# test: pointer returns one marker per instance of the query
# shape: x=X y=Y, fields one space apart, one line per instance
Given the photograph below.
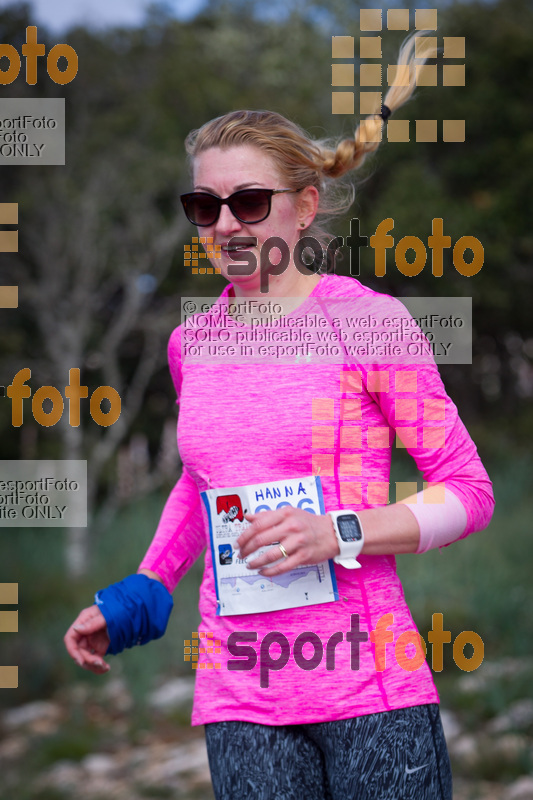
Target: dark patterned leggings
x=393 y=755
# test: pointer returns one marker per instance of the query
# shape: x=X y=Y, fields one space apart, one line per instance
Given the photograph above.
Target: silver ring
x=283 y=551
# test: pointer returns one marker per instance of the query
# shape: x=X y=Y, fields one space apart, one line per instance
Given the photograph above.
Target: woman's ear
x=307 y=206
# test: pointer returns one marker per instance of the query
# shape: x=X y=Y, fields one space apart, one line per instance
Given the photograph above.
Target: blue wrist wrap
x=136 y=610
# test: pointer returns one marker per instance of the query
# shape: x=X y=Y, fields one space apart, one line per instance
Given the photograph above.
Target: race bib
x=241 y=590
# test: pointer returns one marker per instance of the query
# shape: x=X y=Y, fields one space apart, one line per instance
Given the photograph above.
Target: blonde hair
x=302 y=161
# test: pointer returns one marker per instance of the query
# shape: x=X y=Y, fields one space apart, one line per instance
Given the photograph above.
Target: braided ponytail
x=350 y=153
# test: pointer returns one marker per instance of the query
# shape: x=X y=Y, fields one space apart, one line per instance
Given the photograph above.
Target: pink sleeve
x=430 y=429
x=180 y=536
x=440 y=523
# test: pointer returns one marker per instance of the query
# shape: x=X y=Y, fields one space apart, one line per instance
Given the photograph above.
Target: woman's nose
x=227 y=222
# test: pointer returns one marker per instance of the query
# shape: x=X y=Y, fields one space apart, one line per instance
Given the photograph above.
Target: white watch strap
x=348 y=550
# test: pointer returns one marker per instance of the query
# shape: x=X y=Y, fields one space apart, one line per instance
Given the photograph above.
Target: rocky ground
x=87 y=743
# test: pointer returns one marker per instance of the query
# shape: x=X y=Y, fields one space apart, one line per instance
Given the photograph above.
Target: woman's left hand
x=307 y=539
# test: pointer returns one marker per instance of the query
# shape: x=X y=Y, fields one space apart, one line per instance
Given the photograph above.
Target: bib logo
x=32 y=50
x=231 y=505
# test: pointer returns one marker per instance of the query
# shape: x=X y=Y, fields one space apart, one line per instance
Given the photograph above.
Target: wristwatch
x=349 y=533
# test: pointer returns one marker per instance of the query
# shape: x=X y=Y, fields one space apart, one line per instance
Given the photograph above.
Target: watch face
x=349 y=528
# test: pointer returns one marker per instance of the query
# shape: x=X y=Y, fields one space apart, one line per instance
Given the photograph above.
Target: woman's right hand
x=87 y=640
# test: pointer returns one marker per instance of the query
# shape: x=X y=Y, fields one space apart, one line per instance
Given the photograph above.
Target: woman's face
x=223 y=172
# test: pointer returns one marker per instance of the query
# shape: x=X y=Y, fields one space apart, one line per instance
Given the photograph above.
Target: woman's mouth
x=239 y=243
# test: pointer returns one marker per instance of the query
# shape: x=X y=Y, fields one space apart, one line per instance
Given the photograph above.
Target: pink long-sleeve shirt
x=241 y=424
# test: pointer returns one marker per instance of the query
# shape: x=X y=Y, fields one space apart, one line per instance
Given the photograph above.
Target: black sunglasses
x=247 y=205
